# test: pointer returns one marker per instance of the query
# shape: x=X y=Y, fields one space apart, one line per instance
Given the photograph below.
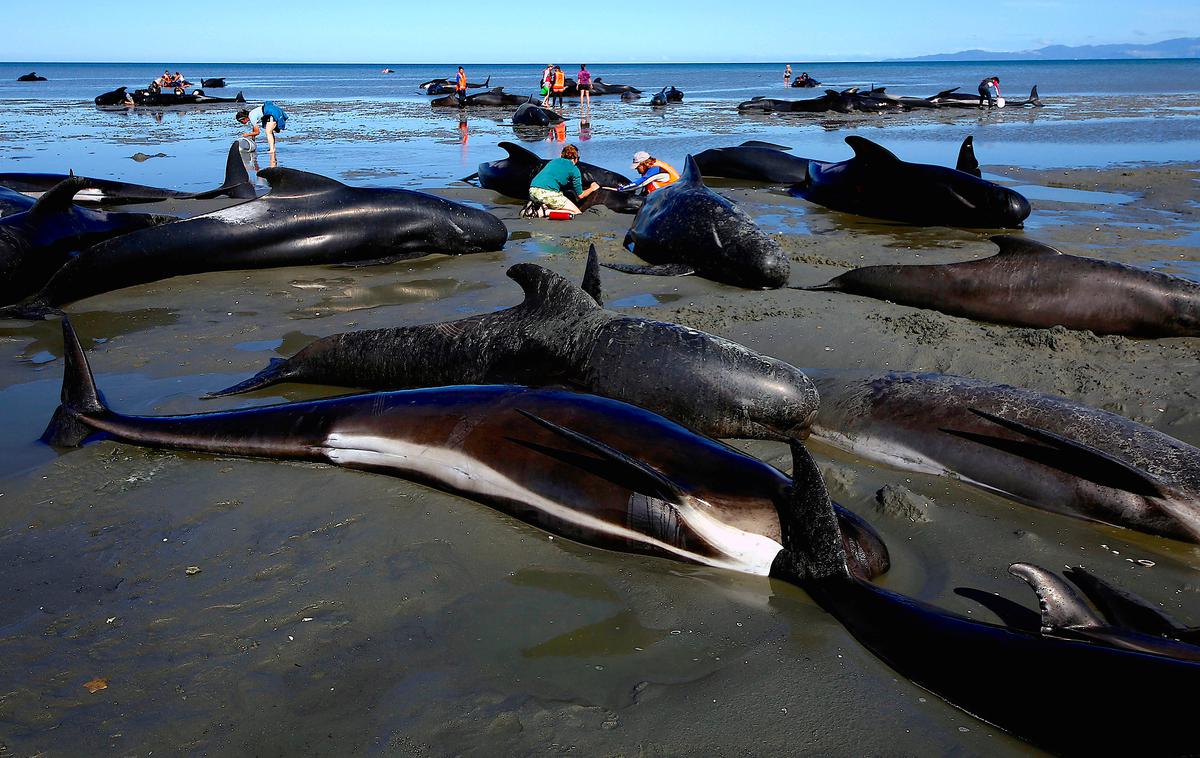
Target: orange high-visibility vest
x=672 y=174
x=460 y=82
x=560 y=81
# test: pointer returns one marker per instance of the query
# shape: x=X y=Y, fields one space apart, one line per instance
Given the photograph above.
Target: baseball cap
x=639 y=158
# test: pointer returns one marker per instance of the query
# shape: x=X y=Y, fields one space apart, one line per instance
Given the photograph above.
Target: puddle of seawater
x=645 y=300
x=791 y=223
x=1067 y=195
x=42 y=356
x=1190 y=239
x=255 y=346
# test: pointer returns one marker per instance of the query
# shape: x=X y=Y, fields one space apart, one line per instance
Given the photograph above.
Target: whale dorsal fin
x=1061 y=606
x=757 y=143
x=59 y=197
x=1121 y=608
x=691 y=172
x=1010 y=245
x=808 y=525
x=966 y=158
x=497 y=90
x=236 y=178
x=591 y=276
x=544 y=288
x=835 y=93
x=515 y=151
x=868 y=151
x=290 y=182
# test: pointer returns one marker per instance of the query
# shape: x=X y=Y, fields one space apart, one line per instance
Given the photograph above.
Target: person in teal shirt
x=550 y=185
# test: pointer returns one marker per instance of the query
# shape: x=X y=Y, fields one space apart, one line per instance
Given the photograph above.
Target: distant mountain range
x=1183 y=47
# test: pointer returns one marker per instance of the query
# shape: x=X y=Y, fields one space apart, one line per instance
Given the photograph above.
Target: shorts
x=549 y=198
x=585 y=88
x=545 y=91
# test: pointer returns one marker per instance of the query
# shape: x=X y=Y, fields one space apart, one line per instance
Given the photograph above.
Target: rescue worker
x=460 y=86
x=548 y=189
x=269 y=116
x=558 y=86
x=656 y=174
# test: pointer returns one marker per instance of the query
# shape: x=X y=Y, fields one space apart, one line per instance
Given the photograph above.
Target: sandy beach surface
x=340 y=611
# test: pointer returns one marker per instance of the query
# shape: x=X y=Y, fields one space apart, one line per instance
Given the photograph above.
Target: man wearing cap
x=656 y=174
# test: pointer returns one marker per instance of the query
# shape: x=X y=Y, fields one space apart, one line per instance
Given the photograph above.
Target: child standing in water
x=787 y=75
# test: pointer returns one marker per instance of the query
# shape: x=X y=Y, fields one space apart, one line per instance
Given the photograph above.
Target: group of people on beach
x=554 y=85
x=169 y=82
x=547 y=190
x=804 y=78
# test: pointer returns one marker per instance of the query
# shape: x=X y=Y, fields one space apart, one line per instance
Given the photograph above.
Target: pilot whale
x=598 y=471
x=305 y=219
x=559 y=336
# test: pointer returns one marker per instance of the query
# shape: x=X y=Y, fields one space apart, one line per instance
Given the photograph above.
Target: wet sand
x=338 y=611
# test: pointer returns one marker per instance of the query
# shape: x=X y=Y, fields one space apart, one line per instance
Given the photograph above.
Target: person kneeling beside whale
x=548 y=188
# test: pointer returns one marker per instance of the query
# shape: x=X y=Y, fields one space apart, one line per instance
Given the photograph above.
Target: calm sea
x=354 y=122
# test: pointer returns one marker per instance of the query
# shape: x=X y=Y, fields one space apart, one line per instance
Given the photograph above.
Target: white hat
x=639 y=158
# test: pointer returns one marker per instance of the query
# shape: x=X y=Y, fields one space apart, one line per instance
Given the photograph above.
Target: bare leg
x=270 y=130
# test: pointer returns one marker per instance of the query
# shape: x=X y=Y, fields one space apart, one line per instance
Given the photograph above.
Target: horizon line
x=914 y=59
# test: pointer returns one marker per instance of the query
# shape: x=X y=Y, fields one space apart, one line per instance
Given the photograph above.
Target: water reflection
x=46 y=336
x=346 y=295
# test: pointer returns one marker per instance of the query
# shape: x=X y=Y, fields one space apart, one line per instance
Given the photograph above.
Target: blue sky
x=604 y=31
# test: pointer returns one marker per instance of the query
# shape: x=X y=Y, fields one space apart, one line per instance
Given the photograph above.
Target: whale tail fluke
x=79 y=396
x=240 y=98
x=276 y=372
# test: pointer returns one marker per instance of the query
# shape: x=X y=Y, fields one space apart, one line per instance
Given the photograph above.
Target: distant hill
x=1183 y=47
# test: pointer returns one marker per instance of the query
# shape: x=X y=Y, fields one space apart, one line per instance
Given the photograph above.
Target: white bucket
x=999 y=102
x=246 y=145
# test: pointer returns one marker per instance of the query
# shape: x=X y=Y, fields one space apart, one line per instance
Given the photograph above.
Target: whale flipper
x=966 y=158
x=665 y=269
x=1075 y=458
x=274 y=373
x=645 y=478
